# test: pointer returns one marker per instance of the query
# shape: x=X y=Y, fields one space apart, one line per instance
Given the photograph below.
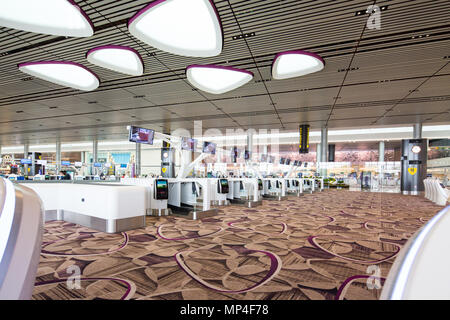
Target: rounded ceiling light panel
x=53 y=17
x=188 y=28
x=217 y=79
x=291 y=64
x=64 y=73
x=117 y=58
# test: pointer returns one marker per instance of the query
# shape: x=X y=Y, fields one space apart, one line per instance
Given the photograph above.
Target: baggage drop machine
x=245 y=191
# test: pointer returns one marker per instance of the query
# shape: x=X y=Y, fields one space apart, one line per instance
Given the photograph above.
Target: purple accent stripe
x=351 y=279
x=124 y=243
x=31 y=63
x=112 y=46
x=128 y=284
x=273 y=267
x=213 y=66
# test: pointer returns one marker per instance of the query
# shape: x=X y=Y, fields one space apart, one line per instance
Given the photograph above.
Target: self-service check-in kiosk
x=160 y=196
x=221 y=190
x=244 y=191
x=294 y=186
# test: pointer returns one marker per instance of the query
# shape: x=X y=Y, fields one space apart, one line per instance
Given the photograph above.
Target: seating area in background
x=435 y=192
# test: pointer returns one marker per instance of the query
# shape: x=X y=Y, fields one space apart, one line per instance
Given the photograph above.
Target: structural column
x=324 y=144
x=58 y=156
x=381 y=151
x=324 y=150
x=138 y=159
x=318 y=153
x=94 y=154
x=26 y=149
x=417 y=131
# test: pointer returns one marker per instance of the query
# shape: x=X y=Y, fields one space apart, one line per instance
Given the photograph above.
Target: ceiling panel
x=377 y=69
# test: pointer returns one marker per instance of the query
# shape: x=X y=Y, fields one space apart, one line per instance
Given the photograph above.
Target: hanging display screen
x=188 y=144
x=209 y=147
x=304 y=138
x=141 y=135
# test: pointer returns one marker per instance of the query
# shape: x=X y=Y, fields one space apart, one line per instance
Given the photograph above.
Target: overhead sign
x=304 y=138
x=26 y=161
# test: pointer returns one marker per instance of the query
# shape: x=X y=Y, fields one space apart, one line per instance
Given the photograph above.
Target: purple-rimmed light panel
x=77 y=77
x=139 y=70
x=175 y=42
x=301 y=63
x=210 y=81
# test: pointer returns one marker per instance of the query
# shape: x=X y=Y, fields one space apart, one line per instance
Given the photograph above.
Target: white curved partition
x=435 y=192
x=105 y=207
x=421 y=271
x=21 y=228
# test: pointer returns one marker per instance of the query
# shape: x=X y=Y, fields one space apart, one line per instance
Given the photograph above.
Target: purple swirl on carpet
x=275 y=266
x=347 y=282
x=53 y=253
x=126 y=296
x=312 y=241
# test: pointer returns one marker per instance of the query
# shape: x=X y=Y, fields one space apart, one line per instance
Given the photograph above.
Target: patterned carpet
x=318 y=246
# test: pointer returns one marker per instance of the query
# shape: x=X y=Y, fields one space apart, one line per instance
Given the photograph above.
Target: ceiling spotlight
x=188 y=28
x=217 y=79
x=64 y=73
x=291 y=64
x=54 y=17
x=117 y=58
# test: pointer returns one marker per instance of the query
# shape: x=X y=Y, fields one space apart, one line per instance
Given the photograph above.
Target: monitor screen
x=224 y=182
x=209 y=147
x=188 y=144
x=26 y=161
x=288 y=161
x=296 y=163
x=161 y=184
x=246 y=155
x=141 y=135
x=282 y=160
x=65 y=163
x=264 y=158
x=235 y=152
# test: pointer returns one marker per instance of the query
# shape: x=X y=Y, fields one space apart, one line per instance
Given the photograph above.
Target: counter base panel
x=103 y=225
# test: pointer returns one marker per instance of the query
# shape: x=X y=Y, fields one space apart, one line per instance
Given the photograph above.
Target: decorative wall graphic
x=412 y=171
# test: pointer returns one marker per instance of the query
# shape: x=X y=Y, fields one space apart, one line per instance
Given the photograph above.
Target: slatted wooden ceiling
x=396 y=75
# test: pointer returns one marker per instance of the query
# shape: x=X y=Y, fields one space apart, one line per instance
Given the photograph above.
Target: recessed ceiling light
x=292 y=64
x=64 y=73
x=188 y=28
x=54 y=17
x=217 y=79
x=117 y=58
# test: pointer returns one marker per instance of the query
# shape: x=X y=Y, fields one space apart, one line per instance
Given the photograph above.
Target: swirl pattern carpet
x=318 y=246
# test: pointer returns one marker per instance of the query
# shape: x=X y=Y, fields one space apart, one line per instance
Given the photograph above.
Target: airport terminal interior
x=224 y=149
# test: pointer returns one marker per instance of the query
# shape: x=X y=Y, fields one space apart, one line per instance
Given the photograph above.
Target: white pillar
x=58 y=156
x=381 y=151
x=138 y=159
x=417 y=131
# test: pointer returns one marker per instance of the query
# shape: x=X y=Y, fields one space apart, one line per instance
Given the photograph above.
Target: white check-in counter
x=105 y=207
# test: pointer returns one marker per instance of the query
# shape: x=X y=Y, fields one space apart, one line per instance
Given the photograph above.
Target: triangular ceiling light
x=188 y=28
x=54 y=17
x=217 y=79
x=117 y=58
x=291 y=64
x=64 y=73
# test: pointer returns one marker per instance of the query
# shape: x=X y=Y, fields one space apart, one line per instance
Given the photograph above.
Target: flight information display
x=141 y=135
x=209 y=147
x=188 y=144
